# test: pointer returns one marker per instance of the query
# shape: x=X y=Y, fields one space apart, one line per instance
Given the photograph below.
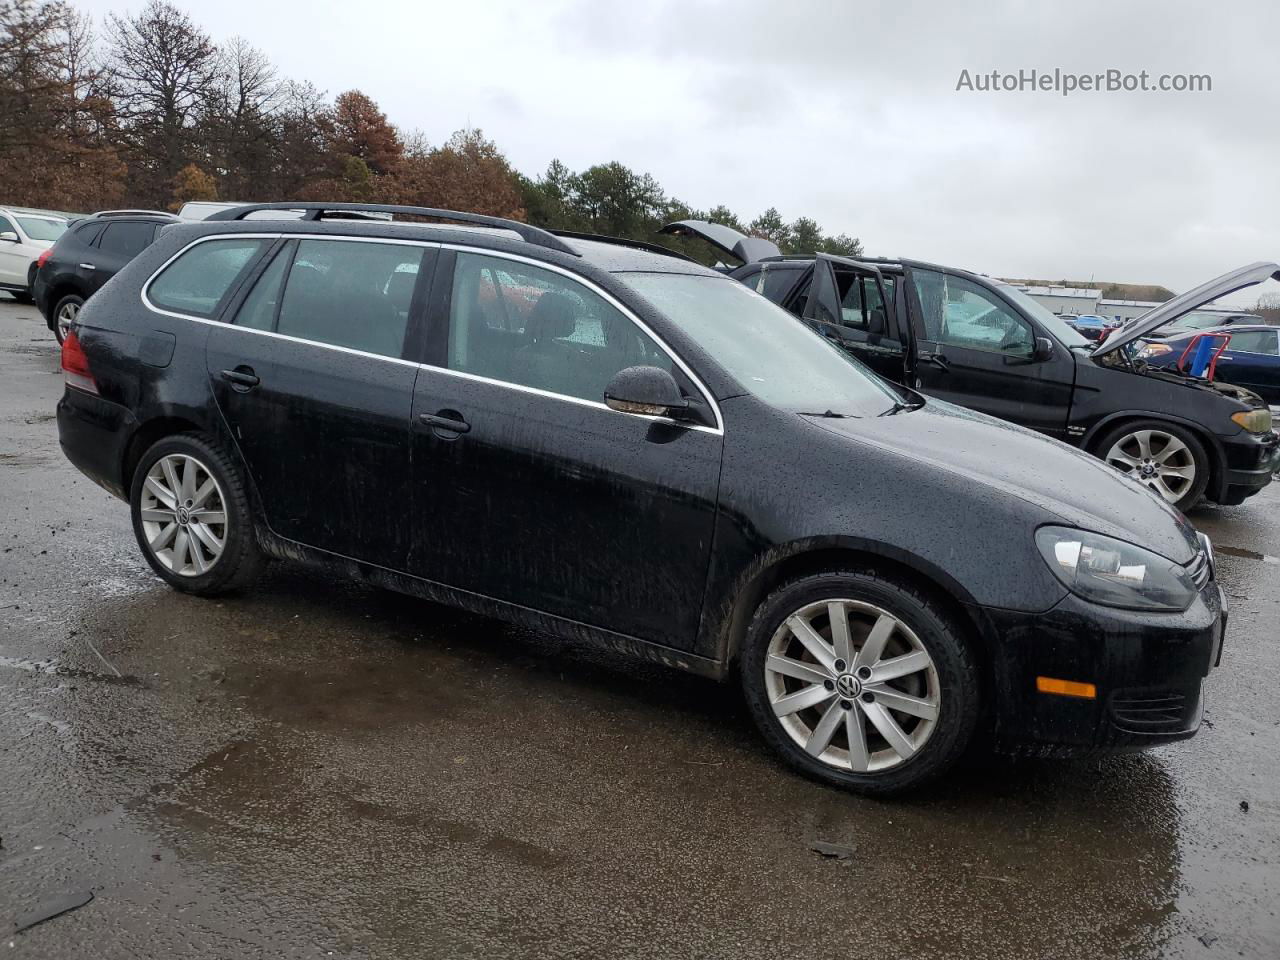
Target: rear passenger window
x=259 y=308
x=197 y=281
x=521 y=324
x=89 y=232
x=127 y=238
x=350 y=294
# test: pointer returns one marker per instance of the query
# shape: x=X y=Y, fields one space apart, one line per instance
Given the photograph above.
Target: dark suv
x=986 y=345
x=86 y=256
x=620 y=446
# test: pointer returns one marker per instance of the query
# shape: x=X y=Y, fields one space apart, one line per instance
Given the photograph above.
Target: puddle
x=1246 y=554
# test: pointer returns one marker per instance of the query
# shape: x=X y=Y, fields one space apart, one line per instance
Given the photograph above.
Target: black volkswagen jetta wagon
x=610 y=442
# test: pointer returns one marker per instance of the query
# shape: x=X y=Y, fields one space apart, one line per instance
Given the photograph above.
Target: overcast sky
x=848 y=112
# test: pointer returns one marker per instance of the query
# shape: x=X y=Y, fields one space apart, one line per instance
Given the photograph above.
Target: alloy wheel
x=184 y=515
x=1158 y=459
x=66 y=317
x=852 y=685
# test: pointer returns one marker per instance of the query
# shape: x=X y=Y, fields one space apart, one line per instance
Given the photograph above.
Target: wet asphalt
x=314 y=769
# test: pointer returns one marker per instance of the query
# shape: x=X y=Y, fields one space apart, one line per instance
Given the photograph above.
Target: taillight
x=43 y=257
x=75 y=365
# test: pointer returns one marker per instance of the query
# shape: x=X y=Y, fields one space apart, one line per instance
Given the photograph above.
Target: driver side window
x=961 y=313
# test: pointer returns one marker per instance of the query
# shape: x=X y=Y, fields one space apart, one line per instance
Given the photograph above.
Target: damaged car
x=986 y=345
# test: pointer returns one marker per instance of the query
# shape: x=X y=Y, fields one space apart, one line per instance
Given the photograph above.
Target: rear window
x=90 y=231
x=127 y=238
x=197 y=281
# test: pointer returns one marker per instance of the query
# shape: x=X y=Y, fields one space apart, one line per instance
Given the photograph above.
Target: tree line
x=147 y=110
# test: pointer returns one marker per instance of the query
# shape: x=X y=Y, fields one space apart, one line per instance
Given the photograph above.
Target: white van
x=24 y=235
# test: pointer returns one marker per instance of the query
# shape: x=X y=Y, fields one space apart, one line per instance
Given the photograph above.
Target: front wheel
x=1164 y=456
x=861 y=681
x=192 y=518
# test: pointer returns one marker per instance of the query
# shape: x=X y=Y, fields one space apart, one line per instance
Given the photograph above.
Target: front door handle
x=241 y=377
x=446 y=420
x=87 y=266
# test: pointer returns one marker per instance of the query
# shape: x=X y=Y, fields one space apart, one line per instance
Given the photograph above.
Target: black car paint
x=80 y=263
x=652 y=538
x=1068 y=395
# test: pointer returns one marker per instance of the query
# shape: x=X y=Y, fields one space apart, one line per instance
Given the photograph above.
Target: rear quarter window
x=196 y=282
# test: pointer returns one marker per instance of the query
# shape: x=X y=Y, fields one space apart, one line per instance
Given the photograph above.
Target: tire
x=24 y=297
x=194 y=565
x=942 y=694
x=1136 y=448
x=64 y=314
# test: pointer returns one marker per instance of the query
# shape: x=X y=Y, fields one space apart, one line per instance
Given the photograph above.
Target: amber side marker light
x=1066 y=688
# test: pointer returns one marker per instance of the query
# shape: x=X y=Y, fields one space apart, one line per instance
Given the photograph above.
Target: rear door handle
x=453 y=424
x=241 y=376
x=87 y=266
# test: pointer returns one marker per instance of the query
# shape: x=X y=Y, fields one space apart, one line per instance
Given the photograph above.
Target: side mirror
x=9 y=237
x=1043 y=349
x=651 y=391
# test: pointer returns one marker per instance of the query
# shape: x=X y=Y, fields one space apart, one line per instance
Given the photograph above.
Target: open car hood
x=1171 y=310
x=737 y=245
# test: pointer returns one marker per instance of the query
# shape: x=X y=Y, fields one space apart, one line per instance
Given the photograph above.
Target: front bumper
x=1252 y=461
x=1148 y=670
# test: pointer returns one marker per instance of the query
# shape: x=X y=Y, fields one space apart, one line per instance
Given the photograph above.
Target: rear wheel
x=64 y=315
x=860 y=681
x=1166 y=457
x=191 y=517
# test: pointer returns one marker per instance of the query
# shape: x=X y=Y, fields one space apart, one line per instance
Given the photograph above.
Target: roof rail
x=316 y=211
x=623 y=242
x=134 y=213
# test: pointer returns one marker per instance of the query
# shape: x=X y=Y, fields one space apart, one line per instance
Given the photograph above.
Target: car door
x=977 y=350
x=527 y=488
x=1252 y=360
x=311 y=378
x=119 y=243
x=852 y=304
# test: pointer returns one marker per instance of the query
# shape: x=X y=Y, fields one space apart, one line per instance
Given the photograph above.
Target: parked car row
x=985 y=345
x=610 y=442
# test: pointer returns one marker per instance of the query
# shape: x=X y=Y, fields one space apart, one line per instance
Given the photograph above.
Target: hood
x=1171 y=310
x=1076 y=489
x=726 y=239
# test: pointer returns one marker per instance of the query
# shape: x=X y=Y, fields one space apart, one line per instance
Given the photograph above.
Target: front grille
x=1154 y=711
x=1200 y=569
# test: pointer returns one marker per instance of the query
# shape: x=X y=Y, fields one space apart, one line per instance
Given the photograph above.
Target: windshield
x=1201 y=320
x=771 y=353
x=1065 y=334
x=38 y=228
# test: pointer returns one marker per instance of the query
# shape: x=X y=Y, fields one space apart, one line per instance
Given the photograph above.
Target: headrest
x=555 y=315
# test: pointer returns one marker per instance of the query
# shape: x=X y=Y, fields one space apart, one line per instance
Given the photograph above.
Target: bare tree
x=242 y=128
x=164 y=74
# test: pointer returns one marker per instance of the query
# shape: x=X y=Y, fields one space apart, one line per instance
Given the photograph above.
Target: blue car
x=1251 y=359
x=1091 y=326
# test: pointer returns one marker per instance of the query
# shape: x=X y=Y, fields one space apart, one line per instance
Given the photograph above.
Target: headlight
x=1255 y=421
x=1114 y=573
x=1154 y=350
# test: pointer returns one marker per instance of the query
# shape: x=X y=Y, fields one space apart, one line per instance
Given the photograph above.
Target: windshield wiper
x=830 y=414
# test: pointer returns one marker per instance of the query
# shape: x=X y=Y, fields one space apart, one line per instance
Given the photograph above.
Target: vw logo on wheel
x=848 y=686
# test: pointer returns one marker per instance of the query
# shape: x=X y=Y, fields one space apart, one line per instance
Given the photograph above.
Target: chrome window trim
x=146 y=287
x=717 y=430
x=617 y=305
x=537 y=391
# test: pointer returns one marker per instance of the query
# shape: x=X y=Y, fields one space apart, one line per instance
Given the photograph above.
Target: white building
x=1070 y=300
x=1124 y=309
